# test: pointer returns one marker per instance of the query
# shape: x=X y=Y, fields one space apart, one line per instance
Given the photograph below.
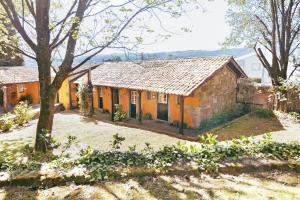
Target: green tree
x=272 y=27
x=8 y=55
x=77 y=29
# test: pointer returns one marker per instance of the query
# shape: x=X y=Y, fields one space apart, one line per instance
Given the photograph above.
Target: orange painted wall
x=124 y=100
x=107 y=99
x=95 y=98
x=149 y=106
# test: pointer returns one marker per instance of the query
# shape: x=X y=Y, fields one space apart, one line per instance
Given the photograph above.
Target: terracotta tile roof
x=181 y=76
x=18 y=74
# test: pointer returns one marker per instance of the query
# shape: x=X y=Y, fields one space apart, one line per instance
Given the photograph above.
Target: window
x=133 y=97
x=21 y=88
x=100 y=91
x=149 y=95
x=162 y=98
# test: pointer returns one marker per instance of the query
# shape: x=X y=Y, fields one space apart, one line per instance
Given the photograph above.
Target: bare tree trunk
x=45 y=121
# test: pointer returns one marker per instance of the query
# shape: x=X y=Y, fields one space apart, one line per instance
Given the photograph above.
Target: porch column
x=181 y=115
x=140 y=106
x=5 y=103
x=112 y=104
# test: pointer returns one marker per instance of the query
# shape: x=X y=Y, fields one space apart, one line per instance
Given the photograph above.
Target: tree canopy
x=272 y=27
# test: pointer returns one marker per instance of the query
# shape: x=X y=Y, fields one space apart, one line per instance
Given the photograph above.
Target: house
x=254 y=69
x=18 y=81
x=183 y=91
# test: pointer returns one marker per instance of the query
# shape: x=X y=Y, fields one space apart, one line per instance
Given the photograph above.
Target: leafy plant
x=209 y=138
x=264 y=113
x=23 y=113
x=85 y=99
x=26 y=98
x=6 y=122
x=119 y=114
x=117 y=141
x=147 y=116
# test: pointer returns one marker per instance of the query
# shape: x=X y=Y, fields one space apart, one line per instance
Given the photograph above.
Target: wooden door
x=115 y=98
x=133 y=101
x=162 y=107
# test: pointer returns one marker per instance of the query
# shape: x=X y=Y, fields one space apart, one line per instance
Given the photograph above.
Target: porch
x=151 y=125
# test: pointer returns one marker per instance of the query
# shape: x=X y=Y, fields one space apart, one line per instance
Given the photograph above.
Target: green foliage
x=147 y=116
x=264 y=113
x=227 y=116
x=209 y=138
x=85 y=99
x=101 y=165
x=295 y=115
x=6 y=122
x=23 y=113
x=117 y=141
x=26 y=98
x=119 y=114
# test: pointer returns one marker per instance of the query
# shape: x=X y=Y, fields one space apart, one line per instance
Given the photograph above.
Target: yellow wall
x=95 y=98
x=107 y=99
x=64 y=94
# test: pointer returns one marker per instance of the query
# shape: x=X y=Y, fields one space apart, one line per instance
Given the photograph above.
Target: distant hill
x=237 y=52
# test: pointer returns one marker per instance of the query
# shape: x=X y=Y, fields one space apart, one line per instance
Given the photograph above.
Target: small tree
x=23 y=113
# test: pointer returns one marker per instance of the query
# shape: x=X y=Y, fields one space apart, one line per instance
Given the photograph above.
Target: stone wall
x=215 y=96
x=255 y=94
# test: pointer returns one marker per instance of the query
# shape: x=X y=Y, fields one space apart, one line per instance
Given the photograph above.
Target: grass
x=248 y=125
x=249 y=185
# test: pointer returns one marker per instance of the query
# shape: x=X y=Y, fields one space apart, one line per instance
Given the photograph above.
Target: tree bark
x=45 y=121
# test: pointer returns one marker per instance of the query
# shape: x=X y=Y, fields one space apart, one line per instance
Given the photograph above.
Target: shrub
x=23 y=113
x=147 y=116
x=119 y=114
x=6 y=122
x=26 y=98
x=227 y=116
x=85 y=99
x=264 y=113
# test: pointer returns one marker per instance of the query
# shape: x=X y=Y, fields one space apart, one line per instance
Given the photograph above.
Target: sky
x=209 y=30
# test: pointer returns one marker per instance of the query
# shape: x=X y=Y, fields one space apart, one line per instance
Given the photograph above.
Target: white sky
x=209 y=30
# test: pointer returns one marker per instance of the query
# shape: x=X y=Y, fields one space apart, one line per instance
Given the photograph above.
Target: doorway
x=162 y=107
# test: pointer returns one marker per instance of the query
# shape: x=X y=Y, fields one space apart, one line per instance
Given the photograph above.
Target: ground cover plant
x=207 y=156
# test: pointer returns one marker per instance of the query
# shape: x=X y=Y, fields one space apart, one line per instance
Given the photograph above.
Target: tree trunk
x=45 y=121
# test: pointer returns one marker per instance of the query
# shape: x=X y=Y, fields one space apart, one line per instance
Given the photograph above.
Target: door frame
x=157 y=106
x=130 y=104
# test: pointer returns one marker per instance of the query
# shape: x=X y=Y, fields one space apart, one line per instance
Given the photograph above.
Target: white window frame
x=133 y=97
x=21 y=88
x=163 y=98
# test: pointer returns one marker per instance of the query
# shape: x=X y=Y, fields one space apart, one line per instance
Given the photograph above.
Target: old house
x=16 y=82
x=183 y=91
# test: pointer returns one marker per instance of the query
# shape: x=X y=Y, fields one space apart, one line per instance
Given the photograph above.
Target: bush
x=264 y=113
x=119 y=114
x=147 y=116
x=26 y=98
x=227 y=116
x=6 y=122
x=23 y=113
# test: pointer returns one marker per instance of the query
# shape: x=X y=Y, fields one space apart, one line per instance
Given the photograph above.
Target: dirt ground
x=98 y=134
x=256 y=186
x=89 y=132
x=282 y=128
